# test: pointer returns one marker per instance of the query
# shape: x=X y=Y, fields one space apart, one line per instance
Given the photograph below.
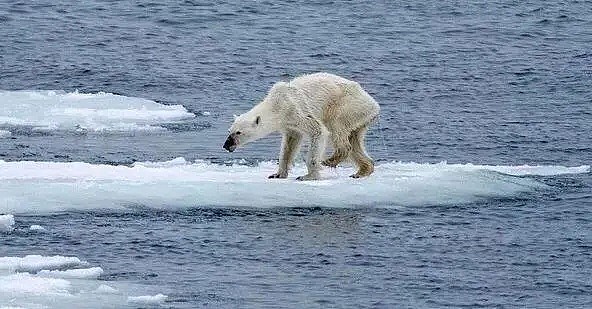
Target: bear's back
x=319 y=79
x=322 y=88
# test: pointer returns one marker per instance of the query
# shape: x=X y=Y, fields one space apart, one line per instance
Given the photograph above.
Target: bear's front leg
x=315 y=151
x=290 y=147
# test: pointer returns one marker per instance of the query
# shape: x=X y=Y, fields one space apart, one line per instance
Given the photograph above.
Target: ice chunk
x=33 y=263
x=105 y=289
x=80 y=273
x=4 y=133
x=147 y=299
x=36 y=227
x=6 y=223
x=85 y=112
x=30 y=282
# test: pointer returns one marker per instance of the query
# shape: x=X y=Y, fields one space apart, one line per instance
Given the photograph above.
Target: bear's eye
x=257 y=120
x=238 y=133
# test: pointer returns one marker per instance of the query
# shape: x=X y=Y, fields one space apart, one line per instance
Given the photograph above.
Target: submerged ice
x=83 y=112
x=36 y=281
x=41 y=187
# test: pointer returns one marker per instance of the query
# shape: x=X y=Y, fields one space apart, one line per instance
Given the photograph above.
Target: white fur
x=319 y=106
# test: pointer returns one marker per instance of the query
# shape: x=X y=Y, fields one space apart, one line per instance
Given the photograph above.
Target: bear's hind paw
x=278 y=175
x=308 y=177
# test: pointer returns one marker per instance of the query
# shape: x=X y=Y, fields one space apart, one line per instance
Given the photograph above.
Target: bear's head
x=261 y=120
x=245 y=129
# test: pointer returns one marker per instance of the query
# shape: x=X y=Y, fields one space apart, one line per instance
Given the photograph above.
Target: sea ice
x=36 y=227
x=36 y=281
x=41 y=187
x=6 y=223
x=48 y=111
x=105 y=289
x=4 y=133
x=33 y=263
x=78 y=273
x=147 y=299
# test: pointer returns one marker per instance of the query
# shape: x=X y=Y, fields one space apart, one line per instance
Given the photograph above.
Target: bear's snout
x=230 y=143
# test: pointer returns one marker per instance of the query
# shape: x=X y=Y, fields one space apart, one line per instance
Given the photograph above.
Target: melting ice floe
x=37 y=281
x=6 y=223
x=94 y=112
x=38 y=187
x=36 y=227
x=5 y=133
x=147 y=299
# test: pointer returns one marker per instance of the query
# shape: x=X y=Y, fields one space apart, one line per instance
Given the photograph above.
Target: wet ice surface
x=36 y=281
x=44 y=187
x=75 y=112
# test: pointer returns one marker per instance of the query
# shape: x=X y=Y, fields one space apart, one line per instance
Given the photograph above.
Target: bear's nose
x=230 y=144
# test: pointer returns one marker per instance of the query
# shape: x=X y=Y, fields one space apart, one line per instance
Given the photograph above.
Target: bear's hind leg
x=358 y=153
x=342 y=146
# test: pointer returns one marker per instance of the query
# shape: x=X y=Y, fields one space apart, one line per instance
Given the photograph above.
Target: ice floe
x=48 y=111
x=36 y=281
x=42 y=187
x=6 y=223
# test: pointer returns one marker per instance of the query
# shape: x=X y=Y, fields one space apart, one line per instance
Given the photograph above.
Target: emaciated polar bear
x=317 y=106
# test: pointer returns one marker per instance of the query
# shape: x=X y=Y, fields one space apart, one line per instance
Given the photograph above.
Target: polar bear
x=318 y=106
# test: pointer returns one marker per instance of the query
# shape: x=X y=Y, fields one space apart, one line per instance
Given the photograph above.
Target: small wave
x=544 y=21
x=583 y=55
x=525 y=72
x=49 y=111
x=42 y=187
x=323 y=55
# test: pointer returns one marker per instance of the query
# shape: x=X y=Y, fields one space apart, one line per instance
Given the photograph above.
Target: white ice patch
x=36 y=227
x=33 y=263
x=79 y=273
x=41 y=187
x=57 y=282
x=81 y=112
x=549 y=170
x=147 y=299
x=4 y=134
x=26 y=283
x=105 y=289
x=6 y=223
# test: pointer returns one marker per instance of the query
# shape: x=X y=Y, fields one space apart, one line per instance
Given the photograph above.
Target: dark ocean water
x=499 y=84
